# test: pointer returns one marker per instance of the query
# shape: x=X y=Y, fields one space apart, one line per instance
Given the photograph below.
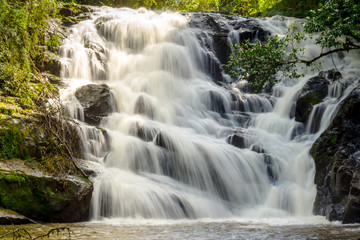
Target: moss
x=314 y=151
x=333 y=139
x=84 y=179
x=16 y=194
x=11 y=141
x=49 y=192
x=9 y=211
x=313 y=97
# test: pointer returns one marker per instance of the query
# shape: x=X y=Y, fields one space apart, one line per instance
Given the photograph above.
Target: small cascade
x=173 y=137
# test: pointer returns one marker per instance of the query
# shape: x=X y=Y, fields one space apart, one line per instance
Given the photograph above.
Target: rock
x=73 y=13
x=217 y=103
x=143 y=132
x=96 y=45
x=97 y=101
x=44 y=198
x=163 y=140
x=270 y=168
x=54 y=36
x=337 y=160
x=51 y=64
x=216 y=30
x=53 y=79
x=237 y=141
x=8 y=217
x=144 y=106
x=314 y=91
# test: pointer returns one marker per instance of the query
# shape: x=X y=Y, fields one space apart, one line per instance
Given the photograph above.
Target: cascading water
x=177 y=145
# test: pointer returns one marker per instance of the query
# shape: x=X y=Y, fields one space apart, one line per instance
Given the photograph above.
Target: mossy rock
x=11 y=141
x=45 y=199
x=313 y=92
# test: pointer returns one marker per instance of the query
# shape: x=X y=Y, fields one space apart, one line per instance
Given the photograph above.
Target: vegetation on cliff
x=33 y=130
x=30 y=128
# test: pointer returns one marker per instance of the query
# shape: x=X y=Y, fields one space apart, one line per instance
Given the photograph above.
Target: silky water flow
x=165 y=152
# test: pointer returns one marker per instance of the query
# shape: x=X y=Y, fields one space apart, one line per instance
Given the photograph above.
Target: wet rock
x=44 y=198
x=217 y=103
x=272 y=174
x=143 y=132
x=163 y=140
x=337 y=160
x=98 y=63
x=332 y=75
x=237 y=141
x=73 y=13
x=213 y=67
x=97 y=101
x=216 y=30
x=257 y=148
x=314 y=91
x=8 y=217
x=221 y=47
x=53 y=79
x=51 y=64
x=143 y=106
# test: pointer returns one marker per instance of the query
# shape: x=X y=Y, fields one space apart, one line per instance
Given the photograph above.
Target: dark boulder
x=314 y=91
x=337 y=160
x=237 y=141
x=97 y=101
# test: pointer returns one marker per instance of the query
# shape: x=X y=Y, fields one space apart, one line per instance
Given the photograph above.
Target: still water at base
x=307 y=228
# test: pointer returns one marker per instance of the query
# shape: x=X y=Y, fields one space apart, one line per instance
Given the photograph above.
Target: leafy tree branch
x=337 y=24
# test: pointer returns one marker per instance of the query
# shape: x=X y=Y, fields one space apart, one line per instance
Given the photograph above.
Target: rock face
x=337 y=159
x=215 y=31
x=314 y=91
x=43 y=198
x=97 y=101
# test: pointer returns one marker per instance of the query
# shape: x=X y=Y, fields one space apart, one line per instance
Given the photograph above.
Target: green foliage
x=22 y=31
x=259 y=62
x=11 y=141
x=239 y=7
x=291 y=8
x=338 y=23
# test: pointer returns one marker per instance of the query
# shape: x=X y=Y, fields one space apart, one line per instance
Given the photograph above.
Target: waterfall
x=178 y=145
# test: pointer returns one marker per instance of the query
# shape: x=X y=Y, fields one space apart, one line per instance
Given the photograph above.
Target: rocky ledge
x=41 y=197
x=337 y=159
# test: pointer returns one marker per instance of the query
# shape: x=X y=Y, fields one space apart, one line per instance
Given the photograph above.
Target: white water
x=169 y=155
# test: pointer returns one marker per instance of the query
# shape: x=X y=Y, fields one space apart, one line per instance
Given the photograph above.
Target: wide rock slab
x=43 y=198
x=8 y=217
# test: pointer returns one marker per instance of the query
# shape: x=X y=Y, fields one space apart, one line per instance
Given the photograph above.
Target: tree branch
x=308 y=62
